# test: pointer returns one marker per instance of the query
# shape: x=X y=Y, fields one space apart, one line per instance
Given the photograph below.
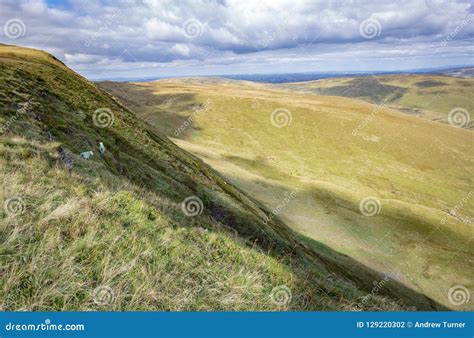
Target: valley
x=102 y=212
x=389 y=189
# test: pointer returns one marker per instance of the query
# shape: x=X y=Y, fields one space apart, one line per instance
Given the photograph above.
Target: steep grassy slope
x=110 y=233
x=322 y=162
x=427 y=96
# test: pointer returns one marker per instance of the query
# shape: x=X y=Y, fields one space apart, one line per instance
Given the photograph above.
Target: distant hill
x=431 y=96
x=312 y=76
x=467 y=72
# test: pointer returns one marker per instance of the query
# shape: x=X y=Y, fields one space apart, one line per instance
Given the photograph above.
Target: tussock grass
x=109 y=233
x=336 y=152
x=76 y=234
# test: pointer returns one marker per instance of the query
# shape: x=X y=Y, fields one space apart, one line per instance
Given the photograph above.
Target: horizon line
x=335 y=73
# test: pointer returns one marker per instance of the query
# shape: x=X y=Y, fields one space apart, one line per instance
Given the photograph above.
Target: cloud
x=159 y=30
x=99 y=36
x=180 y=49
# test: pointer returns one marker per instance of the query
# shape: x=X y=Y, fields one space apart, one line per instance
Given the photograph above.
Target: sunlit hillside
x=428 y=96
x=142 y=224
x=390 y=190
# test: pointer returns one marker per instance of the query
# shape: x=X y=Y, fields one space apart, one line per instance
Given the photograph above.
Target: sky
x=131 y=39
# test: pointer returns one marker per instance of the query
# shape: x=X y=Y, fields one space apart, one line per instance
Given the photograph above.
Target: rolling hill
x=390 y=190
x=144 y=225
x=428 y=96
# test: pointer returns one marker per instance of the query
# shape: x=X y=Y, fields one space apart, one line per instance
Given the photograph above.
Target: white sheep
x=86 y=154
x=101 y=148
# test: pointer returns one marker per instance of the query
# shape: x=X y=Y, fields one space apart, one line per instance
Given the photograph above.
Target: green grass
x=427 y=96
x=109 y=233
x=420 y=171
x=75 y=239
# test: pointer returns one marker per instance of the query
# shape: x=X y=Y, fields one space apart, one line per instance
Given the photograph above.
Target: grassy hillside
x=464 y=72
x=111 y=233
x=431 y=97
x=392 y=191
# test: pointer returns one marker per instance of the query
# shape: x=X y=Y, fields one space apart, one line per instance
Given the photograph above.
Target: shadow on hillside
x=368 y=88
x=166 y=170
x=176 y=174
x=171 y=114
x=275 y=238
